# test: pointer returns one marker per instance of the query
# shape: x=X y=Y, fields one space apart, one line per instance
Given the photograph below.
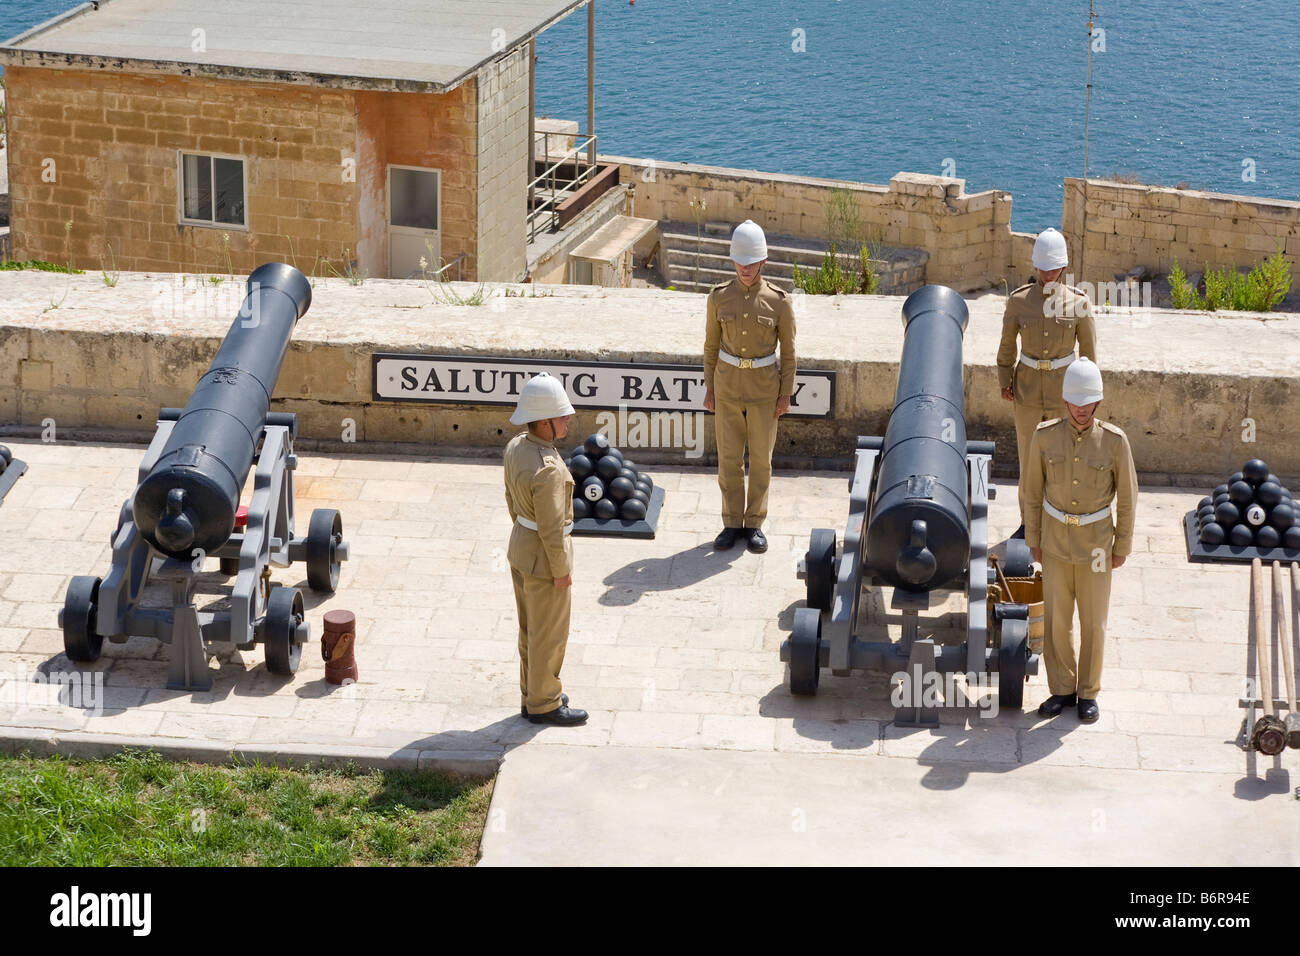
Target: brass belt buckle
x=1072 y=520
x=746 y=363
x=1044 y=365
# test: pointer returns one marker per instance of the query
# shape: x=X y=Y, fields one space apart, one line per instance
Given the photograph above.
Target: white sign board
x=479 y=380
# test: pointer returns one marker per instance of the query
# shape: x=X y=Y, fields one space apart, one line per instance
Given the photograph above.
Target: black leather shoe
x=562 y=716
x=1055 y=704
x=727 y=538
x=757 y=540
x=523 y=708
x=1088 y=711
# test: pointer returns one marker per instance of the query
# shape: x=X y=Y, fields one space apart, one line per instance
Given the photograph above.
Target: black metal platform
x=620 y=528
x=12 y=473
x=1198 y=553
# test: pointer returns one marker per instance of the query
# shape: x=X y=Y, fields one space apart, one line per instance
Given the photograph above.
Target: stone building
x=176 y=135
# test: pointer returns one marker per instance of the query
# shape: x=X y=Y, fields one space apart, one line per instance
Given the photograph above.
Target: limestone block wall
x=109 y=142
x=1130 y=225
x=503 y=172
x=968 y=237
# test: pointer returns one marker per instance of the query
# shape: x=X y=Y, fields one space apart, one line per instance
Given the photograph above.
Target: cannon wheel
x=284 y=612
x=1013 y=660
x=323 y=534
x=81 y=640
x=1018 y=559
x=820 y=574
x=805 y=653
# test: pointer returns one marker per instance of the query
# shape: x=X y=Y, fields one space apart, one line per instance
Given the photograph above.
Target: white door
x=414 y=211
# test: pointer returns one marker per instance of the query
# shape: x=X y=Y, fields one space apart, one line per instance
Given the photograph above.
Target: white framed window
x=213 y=190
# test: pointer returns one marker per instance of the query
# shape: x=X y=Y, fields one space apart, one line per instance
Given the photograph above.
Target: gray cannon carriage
x=185 y=510
x=918 y=508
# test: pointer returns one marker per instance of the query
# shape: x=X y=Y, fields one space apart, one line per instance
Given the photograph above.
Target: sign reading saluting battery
x=486 y=380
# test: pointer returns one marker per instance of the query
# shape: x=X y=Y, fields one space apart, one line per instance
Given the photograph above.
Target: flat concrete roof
x=425 y=46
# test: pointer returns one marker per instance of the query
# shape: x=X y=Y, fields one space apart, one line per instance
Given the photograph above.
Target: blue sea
x=1198 y=92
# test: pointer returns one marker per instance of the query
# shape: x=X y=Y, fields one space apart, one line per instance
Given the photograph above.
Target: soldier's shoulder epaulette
x=1077 y=291
x=1048 y=424
x=1024 y=288
x=778 y=290
x=1115 y=429
x=720 y=286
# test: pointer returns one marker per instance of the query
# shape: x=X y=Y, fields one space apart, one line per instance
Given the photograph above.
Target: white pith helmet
x=541 y=397
x=1082 y=382
x=1049 y=251
x=748 y=244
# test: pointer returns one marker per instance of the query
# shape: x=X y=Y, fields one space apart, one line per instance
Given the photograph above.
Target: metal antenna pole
x=1087 y=106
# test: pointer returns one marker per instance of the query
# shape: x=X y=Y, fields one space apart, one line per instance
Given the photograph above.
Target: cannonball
x=1256 y=515
x=606 y=509
x=643 y=478
x=1212 y=533
x=1268 y=494
x=1255 y=472
x=1205 y=514
x=620 y=489
x=1273 y=478
x=628 y=473
x=6 y=456
x=1203 y=502
x=580 y=466
x=593 y=489
x=1218 y=489
x=633 y=510
x=645 y=489
x=1291 y=540
x=1286 y=492
x=1266 y=536
x=566 y=463
x=581 y=508
x=597 y=446
x=616 y=453
x=609 y=467
x=1241 y=494
x=3 y=465
x=1235 y=477
x=628 y=463
x=1220 y=499
x=1227 y=514
x=1241 y=536
x=578 y=449
x=1282 y=516
x=642 y=495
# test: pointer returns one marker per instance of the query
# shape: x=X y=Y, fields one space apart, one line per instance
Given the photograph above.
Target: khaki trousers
x=1065 y=586
x=543 y=638
x=737 y=424
x=1027 y=419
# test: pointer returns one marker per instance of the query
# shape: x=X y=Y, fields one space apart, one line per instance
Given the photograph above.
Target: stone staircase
x=696 y=262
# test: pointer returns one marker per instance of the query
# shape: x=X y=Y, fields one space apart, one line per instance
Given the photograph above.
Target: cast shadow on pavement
x=684 y=569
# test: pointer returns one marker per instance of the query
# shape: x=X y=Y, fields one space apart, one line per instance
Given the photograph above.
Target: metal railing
x=437 y=273
x=546 y=213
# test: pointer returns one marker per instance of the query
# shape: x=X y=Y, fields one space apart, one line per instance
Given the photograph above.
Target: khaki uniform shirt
x=1079 y=473
x=1048 y=327
x=750 y=323
x=540 y=489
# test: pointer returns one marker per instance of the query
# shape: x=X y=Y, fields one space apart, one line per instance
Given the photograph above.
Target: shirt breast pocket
x=766 y=317
x=1099 y=474
x=1055 y=467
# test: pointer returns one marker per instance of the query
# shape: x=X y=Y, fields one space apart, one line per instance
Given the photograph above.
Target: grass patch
x=39 y=265
x=140 y=809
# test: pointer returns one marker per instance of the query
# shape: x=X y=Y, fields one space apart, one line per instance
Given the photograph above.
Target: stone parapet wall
x=1132 y=224
x=968 y=237
x=106 y=359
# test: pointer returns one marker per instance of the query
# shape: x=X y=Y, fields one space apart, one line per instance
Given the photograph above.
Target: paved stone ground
x=674 y=651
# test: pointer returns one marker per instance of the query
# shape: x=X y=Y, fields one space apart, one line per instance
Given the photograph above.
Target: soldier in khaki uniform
x=1049 y=318
x=1075 y=466
x=539 y=496
x=748 y=383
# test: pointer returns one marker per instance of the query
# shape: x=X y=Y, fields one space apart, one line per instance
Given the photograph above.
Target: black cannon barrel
x=918 y=535
x=188 y=501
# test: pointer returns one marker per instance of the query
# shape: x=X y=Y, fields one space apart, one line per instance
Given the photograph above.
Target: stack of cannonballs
x=6 y=458
x=605 y=484
x=1251 y=509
